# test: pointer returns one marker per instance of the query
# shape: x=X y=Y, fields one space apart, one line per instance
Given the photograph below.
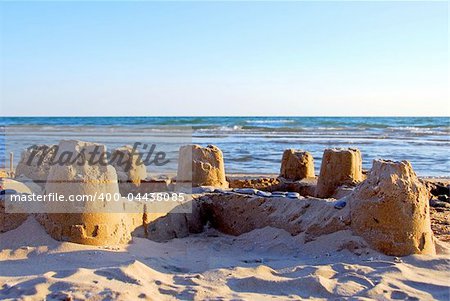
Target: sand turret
x=129 y=167
x=91 y=221
x=297 y=165
x=202 y=166
x=339 y=167
x=390 y=210
x=12 y=214
x=35 y=163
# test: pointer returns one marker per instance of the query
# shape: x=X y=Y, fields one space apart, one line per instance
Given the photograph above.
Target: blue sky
x=224 y=58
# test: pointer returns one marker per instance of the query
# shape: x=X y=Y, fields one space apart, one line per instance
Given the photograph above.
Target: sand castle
x=93 y=222
x=389 y=210
x=339 y=167
x=201 y=166
x=297 y=165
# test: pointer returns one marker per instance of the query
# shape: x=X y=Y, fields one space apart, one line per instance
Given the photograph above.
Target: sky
x=224 y=58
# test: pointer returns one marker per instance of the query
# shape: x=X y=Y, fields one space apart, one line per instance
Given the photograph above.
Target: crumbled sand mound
x=262 y=183
x=9 y=221
x=11 y=215
x=390 y=210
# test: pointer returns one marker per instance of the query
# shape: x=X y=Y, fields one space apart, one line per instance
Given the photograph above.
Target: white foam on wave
x=271 y=121
x=422 y=130
x=222 y=129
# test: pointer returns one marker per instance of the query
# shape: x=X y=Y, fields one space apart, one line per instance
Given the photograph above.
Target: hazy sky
x=224 y=58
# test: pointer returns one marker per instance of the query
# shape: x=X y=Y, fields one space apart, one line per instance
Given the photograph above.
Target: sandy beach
x=264 y=264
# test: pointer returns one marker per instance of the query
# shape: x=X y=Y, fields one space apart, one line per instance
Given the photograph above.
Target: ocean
x=254 y=144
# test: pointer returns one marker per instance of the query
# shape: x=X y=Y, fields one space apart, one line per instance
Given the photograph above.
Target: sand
x=264 y=264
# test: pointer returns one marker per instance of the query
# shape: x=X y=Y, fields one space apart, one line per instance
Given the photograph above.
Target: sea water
x=254 y=144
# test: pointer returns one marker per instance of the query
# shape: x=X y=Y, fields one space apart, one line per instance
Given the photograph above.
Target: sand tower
x=130 y=170
x=297 y=165
x=390 y=210
x=339 y=167
x=94 y=221
x=12 y=214
x=35 y=163
x=202 y=166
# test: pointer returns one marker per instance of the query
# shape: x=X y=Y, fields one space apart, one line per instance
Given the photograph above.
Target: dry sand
x=265 y=264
